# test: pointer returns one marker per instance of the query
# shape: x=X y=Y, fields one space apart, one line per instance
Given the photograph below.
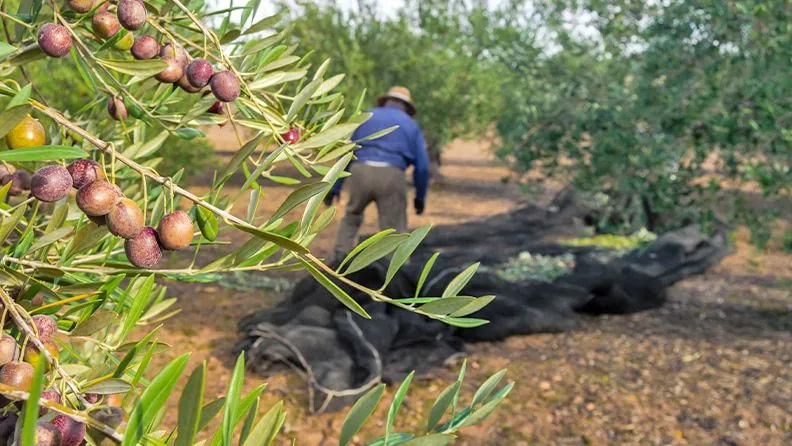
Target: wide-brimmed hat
x=400 y=93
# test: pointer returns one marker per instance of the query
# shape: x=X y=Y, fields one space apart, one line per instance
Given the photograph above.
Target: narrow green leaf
x=458 y=283
x=398 y=398
x=487 y=387
x=109 y=387
x=100 y=320
x=338 y=133
x=476 y=305
x=447 y=305
x=43 y=153
x=324 y=220
x=151 y=146
x=20 y=98
x=152 y=400
x=249 y=420
x=190 y=406
x=404 y=251
x=267 y=427
x=465 y=322
x=207 y=223
x=143 y=287
x=288 y=181
x=133 y=67
x=365 y=244
x=188 y=133
x=375 y=252
x=7 y=224
x=240 y=156
x=263 y=24
x=425 y=273
x=431 y=440
x=328 y=85
x=302 y=98
x=209 y=411
x=232 y=399
x=230 y=35
x=279 y=240
x=339 y=294
x=58 y=218
x=441 y=405
x=10 y=118
x=377 y=135
x=31 y=414
x=360 y=412
x=298 y=196
x=276 y=78
x=330 y=178
x=394 y=438
x=484 y=411
x=52 y=237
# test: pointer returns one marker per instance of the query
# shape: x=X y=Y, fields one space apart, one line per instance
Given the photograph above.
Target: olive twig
x=23 y=326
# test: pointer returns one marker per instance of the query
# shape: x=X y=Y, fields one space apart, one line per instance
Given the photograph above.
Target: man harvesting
x=378 y=170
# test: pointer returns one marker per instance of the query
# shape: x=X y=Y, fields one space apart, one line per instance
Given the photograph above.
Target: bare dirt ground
x=710 y=368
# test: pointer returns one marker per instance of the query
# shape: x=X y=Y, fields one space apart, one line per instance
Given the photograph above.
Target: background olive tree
x=70 y=294
x=668 y=108
x=431 y=47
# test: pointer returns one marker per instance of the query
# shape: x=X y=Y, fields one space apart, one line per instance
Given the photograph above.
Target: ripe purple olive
x=175 y=230
x=199 y=72
x=177 y=52
x=47 y=434
x=20 y=181
x=225 y=86
x=98 y=198
x=54 y=40
x=52 y=396
x=46 y=327
x=51 y=183
x=292 y=136
x=145 y=47
x=144 y=250
x=131 y=14
x=18 y=375
x=125 y=219
x=186 y=86
x=116 y=108
x=216 y=108
x=72 y=432
x=80 y=6
x=9 y=350
x=172 y=73
x=105 y=24
x=84 y=172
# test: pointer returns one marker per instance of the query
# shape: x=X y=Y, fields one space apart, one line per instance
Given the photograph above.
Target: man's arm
x=420 y=168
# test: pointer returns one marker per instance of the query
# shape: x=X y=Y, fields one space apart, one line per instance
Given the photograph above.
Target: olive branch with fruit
x=78 y=271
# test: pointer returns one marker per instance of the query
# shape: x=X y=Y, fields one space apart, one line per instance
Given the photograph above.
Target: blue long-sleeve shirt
x=400 y=148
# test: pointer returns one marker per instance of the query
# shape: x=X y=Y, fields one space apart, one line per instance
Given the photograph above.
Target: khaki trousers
x=385 y=186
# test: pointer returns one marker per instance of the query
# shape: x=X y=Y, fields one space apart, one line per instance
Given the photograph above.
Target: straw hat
x=400 y=93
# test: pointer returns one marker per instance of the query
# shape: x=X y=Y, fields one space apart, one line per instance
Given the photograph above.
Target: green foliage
x=430 y=47
x=55 y=261
x=656 y=103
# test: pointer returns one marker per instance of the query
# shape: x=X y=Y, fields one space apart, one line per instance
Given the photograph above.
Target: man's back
x=397 y=147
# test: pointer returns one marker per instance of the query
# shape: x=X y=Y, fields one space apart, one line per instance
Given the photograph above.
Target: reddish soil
x=712 y=367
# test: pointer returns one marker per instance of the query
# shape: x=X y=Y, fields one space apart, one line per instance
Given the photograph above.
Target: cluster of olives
x=105 y=204
x=192 y=76
x=18 y=373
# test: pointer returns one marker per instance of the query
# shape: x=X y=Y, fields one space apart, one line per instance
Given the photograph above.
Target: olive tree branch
x=71 y=413
x=32 y=336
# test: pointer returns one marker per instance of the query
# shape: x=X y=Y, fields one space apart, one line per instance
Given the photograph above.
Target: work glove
x=419 y=206
x=331 y=197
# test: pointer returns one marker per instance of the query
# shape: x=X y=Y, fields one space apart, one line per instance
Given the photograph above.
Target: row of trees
x=656 y=104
